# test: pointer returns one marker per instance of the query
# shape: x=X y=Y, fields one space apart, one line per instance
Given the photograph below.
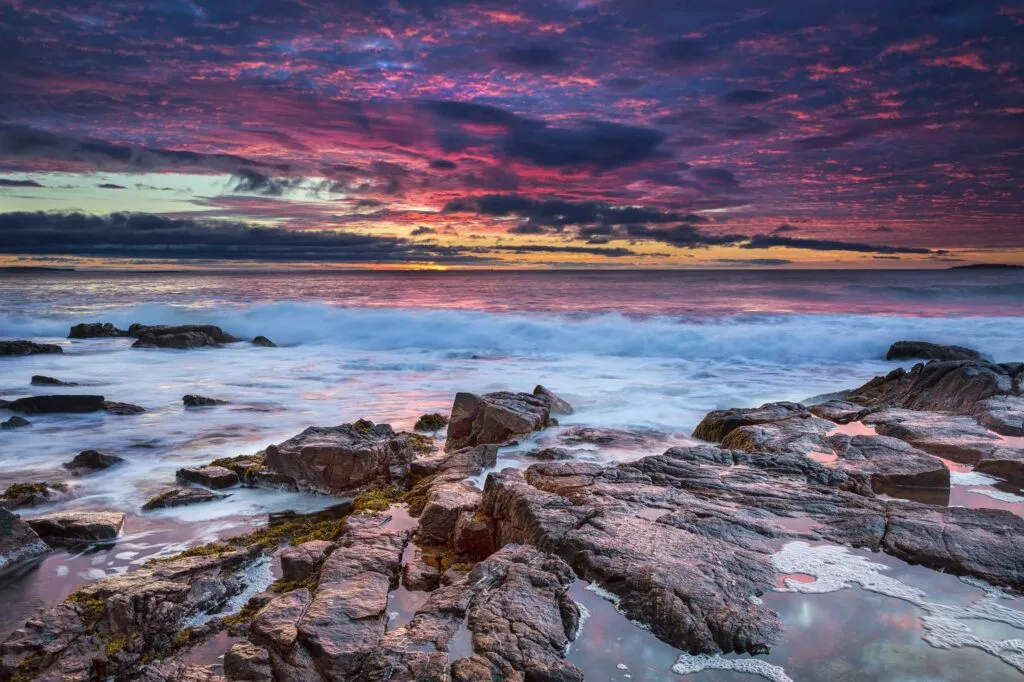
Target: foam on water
x=836 y=568
x=689 y=664
x=256 y=577
x=971 y=478
x=1000 y=495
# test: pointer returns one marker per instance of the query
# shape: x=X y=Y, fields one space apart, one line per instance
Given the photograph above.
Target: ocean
x=648 y=352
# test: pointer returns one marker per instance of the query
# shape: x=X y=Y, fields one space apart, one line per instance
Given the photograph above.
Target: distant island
x=988 y=266
x=33 y=268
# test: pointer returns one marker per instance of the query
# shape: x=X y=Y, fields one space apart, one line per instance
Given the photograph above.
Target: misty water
x=647 y=352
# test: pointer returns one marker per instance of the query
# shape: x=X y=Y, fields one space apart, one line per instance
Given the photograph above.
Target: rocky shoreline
x=685 y=542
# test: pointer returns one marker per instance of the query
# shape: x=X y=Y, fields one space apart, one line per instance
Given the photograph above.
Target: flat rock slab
x=179 y=497
x=18 y=542
x=718 y=424
x=494 y=418
x=299 y=563
x=46 y=404
x=889 y=463
x=839 y=411
x=1003 y=414
x=1004 y=463
x=958 y=438
x=340 y=459
x=216 y=477
x=22 y=347
x=78 y=526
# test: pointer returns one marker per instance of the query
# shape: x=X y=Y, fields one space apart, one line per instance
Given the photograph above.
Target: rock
x=41 y=380
x=245 y=662
x=339 y=459
x=177 y=669
x=178 y=497
x=18 y=542
x=91 y=330
x=602 y=436
x=445 y=502
x=22 y=347
x=557 y=404
x=455 y=466
x=922 y=350
x=839 y=411
x=494 y=418
x=301 y=562
x=889 y=463
x=473 y=536
x=180 y=341
x=91 y=460
x=1003 y=414
x=215 y=477
x=803 y=433
x=718 y=424
x=44 y=404
x=431 y=422
x=550 y=454
x=122 y=408
x=263 y=342
x=71 y=526
x=201 y=401
x=216 y=333
x=1004 y=463
x=418 y=575
x=108 y=628
x=20 y=495
x=518 y=611
x=15 y=422
x=331 y=635
x=957 y=438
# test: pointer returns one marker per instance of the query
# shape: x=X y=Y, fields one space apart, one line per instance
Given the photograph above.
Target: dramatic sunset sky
x=597 y=133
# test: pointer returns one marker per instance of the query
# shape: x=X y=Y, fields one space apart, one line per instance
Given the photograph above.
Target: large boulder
x=494 y=418
x=179 y=497
x=214 y=332
x=179 y=340
x=45 y=404
x=340 y=459
x=75 y=527
x=718 y=424
x=18 y=542
x=88 y=461
x=923 y=350
x=23 y=347
x=92 y=330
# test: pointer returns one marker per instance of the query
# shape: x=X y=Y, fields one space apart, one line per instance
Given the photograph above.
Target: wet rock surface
x=1005 y=463
x=47 y=404
x=302 y=562
x=22 y=347
x=88 y=461
x=179 y=497
x=15 y=422
x=192 y=400
x=122 y=408
x=445 y=503
x=78 y=527
x=179 y=340
x=41 y=380
x=216 y=477
x=338 y=459
x=215 y=333
x=923 y=350
x=494 y=418
x=93 y=330
x=839 y=411
x=557 y=404
x=18 y=542
x=958 y=438
x=20 y=495
x=718 y=424
x=263 y=342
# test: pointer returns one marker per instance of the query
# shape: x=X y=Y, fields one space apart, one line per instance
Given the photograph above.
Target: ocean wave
x=783 y=338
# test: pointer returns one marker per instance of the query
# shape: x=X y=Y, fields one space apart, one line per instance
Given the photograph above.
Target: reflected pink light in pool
x=853 y=429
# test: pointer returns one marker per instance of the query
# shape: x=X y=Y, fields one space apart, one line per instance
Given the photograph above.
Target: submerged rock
x=18 y=542
x=91 y=330
x=23 y=347
x=122 y=408
x=201 y=401
x=46 y=404
x=263 y=342
x=41 y=380
x=15 y=422
x=216 y=477
x=922 y=350
x=178 y=497
x=431 y=422
x=91 y=460
x=338 y=459
x=75 y=527
x=494 y=418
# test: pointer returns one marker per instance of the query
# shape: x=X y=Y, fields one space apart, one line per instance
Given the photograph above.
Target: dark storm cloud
x=540 y=213
x=755 y=262
x=620 y=252
x=745 y=97
x=535 y=57
x=132 y=235
x=855 y=132
x=443 y=164
x=683 y=236
x=765 y=241
x=680 y=52
x=8 y=182
x=251 y=181
x=111 y=185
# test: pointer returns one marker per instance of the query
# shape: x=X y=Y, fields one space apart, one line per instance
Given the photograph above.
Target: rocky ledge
x=66 y=403
x=28 y=348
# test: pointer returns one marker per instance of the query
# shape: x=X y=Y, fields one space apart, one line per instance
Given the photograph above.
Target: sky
x=461 y=134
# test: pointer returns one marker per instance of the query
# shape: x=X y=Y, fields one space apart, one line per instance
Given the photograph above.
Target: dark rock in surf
x=215 y=477
x=114 y=407
x=494 y=418
x=23 y=347
x=15 y=422
x=557 y=404
x=339 y=459
x=179 y=497
x=263 y=342
x=47 y=404
x=41 y=380
x=18 y=542
x=214 y=332
x=550 y=454
x=93 y=330
x=201 y=401
x=78 y=527
x=91 y=460
x=20 y=495
x=431 y=422
x=922 y=350
x=179 y=341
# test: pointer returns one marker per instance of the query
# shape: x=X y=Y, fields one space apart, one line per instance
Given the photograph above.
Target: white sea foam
x=688 y=664
x=1000 y=495
x=971 y=478
x=837 y=568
